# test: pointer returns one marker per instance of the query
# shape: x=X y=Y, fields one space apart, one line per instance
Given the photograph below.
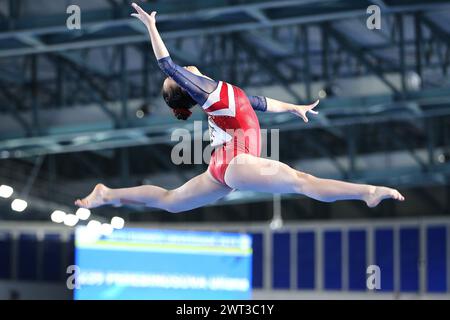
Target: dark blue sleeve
x=198 y=87
x=258 y=103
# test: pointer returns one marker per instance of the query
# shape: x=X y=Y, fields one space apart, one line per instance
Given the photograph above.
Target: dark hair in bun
x=179 y=101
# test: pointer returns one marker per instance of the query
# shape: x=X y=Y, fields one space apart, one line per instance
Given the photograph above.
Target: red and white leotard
x=233 y=124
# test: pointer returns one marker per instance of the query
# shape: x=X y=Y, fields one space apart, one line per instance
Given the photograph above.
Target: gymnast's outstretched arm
x=276 y=106
x=265 y=104
x=159 y=48
x=197 y=85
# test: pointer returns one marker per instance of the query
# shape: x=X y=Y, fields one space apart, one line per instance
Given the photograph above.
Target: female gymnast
x=235 y=134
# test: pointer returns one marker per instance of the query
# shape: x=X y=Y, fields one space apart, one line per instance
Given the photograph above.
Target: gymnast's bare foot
x=98 y=197
x=377 y=194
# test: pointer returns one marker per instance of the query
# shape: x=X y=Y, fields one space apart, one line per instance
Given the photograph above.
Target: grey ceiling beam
x=360 y=55
x=284 y=83
x=272 y=70
x=245 y=26
x=98 y=93
x=160 y=134
x=13 y=111
x=436 y=30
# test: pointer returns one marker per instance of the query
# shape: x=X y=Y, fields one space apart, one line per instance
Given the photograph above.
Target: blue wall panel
x=357 y=264
x=52 y=254
x=27 y=257
x=409 y=259
x=305 y=260
x=281 y=260
x=333 y=260
x=384 y=257
x=436 y=259
x=5 y=255
x=258 y=260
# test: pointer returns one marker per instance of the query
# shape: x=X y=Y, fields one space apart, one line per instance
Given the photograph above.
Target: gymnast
x=235 y=136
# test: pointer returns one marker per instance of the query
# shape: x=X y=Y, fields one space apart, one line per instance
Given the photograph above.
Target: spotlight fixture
x=143 y=111
x=6 y=191
x=117 y=222
x=83 y=214
x=58 y=216
x=70 y=220
x=19 y=205
x=94 y=225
